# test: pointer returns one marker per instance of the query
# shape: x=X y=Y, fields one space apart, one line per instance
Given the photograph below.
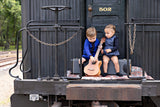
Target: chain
x=49 y=44
x=132 y=43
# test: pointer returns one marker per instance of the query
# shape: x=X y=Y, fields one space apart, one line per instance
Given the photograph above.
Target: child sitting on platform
x=110 y=50
x=90 y=45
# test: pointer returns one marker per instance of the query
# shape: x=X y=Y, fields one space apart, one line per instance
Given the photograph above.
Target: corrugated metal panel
x=146 y=11
x=31 y=10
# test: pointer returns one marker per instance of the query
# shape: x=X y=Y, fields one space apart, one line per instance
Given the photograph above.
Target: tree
x=10 y=20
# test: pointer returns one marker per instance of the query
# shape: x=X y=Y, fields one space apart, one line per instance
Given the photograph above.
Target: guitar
x=93 y=68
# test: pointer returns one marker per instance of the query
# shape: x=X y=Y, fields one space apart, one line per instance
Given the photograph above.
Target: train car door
x=102 y=12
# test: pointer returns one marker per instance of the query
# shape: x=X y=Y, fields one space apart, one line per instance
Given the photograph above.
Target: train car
x=53 y=33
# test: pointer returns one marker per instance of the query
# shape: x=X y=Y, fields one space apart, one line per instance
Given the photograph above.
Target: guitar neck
x=98 y=50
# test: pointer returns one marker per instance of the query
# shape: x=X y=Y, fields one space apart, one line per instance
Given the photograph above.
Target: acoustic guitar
x=93 y=68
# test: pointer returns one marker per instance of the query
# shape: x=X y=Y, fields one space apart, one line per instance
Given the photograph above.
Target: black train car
x=42 y=62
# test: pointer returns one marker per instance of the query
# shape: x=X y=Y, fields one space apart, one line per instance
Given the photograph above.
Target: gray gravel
x=6 y=84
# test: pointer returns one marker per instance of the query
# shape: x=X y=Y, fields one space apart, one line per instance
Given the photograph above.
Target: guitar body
x=93 y=69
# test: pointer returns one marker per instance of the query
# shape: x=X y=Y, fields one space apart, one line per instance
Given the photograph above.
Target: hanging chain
x=132 y=42
x=49 y=44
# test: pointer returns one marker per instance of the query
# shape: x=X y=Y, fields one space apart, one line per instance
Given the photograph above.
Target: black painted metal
x=40 y=87
x=39 y=56
x=127 y=42
x=59 y=87
x=105 y=12
x=46 y=26
x=133 y=15
x=148 y=102
x=81 y=38
x=56 y=9
x=148 y=35
x=21 y=100
x=144 y=11
x=10 y=70
x=32 y=11
x=65 y=56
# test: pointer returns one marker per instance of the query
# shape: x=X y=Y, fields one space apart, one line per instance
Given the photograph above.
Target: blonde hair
x=91 y=32
x=111 y=27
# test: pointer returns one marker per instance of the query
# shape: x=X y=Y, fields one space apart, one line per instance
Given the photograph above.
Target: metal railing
x=39 y=25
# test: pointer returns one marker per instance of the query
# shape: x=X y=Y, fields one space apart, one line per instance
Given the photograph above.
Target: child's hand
x=101 y=51
x=96 y=59
x=108 y=50
x=103 y=40
x=92 y=59
x=100 y=47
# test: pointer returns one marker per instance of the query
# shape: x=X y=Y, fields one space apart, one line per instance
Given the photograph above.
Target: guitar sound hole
x=91 y=69
x=94 y=62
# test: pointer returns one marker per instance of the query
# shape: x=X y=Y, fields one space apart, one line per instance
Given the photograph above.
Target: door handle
x=90 y=8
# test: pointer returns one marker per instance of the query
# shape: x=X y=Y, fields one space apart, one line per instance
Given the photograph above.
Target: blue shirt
x=90 y=48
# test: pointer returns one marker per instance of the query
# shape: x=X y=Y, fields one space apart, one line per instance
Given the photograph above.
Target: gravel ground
x=6 y=81
x=6 y=84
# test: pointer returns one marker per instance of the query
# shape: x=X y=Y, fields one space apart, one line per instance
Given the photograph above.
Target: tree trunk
x=6 y=47
x=15 y=33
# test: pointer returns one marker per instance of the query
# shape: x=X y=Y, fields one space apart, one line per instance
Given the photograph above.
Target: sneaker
x=119 y=74
x=104 y=74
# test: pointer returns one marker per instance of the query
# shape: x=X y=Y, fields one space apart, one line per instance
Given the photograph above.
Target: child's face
x=109 y=32
x=92 y=39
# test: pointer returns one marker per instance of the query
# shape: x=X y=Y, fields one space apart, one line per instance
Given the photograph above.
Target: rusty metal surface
x=106 y=92
x=100 y=81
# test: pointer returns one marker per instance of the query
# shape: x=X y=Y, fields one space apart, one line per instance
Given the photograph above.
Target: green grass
x=1 y=48
x=11 y=48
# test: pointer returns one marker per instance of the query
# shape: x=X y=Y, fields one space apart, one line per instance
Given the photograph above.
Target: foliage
x=10 y=21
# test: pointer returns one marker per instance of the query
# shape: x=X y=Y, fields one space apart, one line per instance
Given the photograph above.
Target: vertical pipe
x=52 y=55
x=69 y=103
x=143 y=51
x=127 y=53
x=48 y=38
x=56 y=15
x=30 y=41
x=48 y=101
x=27 y=50
x=56 y=47
x=127 y=38
x=39 y=57
x=143 y=41
x=65 y=55
x=81 y=52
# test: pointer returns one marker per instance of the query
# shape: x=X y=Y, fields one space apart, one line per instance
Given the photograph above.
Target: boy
x=111 y=49
x=90 y=45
